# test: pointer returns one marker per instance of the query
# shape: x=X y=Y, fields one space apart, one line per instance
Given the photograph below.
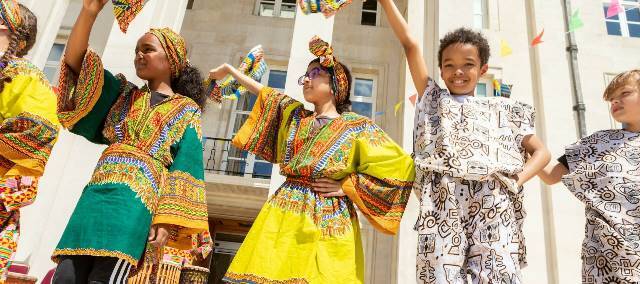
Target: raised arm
x=225 y=69
x=417 y=65
x=79 y=38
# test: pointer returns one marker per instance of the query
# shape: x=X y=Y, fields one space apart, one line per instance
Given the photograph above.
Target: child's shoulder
x=22 y=66
x=608 y=135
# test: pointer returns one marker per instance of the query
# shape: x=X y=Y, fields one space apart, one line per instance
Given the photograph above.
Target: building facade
x=238 y=183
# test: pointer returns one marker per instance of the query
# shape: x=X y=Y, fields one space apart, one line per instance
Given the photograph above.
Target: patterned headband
x=324 y=52
x=10 y=14
x=175 y=48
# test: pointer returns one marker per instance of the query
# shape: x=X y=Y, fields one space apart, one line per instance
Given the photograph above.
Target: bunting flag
x=538 y=39
x=505 y=49
x=252 y=65
x=397 y=108
x=576 y=21
x=614 y=8
x=413 y=98
x=126 y=10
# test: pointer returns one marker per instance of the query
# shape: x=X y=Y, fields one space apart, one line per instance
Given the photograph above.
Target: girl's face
x=625 y=103
x=316 y=84
x=151 y=61
x=461 y=68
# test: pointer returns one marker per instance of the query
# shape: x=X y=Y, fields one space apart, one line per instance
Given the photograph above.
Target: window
x=52 y=66
x=480 y=18
x=254 y=166
x=369 y=13
x=481 y=90
x=363 y=95
x=276 y=8
x=627 y=23
x=190 y=4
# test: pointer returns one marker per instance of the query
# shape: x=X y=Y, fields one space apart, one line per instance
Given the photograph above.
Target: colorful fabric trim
x=327 y=7
x=175 y=48
x=231 y=277
x=126 y=10
x=18 y=195
x=382 y=201
x=183 y=203
x=95 y=252
x=340 y=80
x=10 y=14
x=78 y=94
x=252 y=65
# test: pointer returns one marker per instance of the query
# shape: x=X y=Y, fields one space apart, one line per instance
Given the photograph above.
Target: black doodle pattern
x=604 y=175
x=471 y=214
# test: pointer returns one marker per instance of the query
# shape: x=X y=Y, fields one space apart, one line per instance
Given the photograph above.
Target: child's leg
x=442 y=242
x=109 y=270
x=73 y=269
x=494 y=247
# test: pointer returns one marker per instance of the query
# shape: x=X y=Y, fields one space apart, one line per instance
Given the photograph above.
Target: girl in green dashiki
x=308 y=231
x=148 y=185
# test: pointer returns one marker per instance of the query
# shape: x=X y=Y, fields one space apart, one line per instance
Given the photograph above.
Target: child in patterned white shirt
x=603 y=171
x=472 y=156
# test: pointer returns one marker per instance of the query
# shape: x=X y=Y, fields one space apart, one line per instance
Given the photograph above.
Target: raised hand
x=93 y=6
x=220 y=72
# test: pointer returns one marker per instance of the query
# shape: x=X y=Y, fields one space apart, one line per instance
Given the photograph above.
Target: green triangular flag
x=575 y=22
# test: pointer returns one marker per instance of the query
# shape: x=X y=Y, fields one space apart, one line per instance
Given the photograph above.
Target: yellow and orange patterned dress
x=300 y=236
x=29 y=128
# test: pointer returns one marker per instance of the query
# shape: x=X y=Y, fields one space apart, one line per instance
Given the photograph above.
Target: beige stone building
x=238 y=183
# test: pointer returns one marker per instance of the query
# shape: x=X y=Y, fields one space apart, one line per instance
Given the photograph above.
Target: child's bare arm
x=553 y=172
x=417 y=66
x=225 y=69
x=540 y=157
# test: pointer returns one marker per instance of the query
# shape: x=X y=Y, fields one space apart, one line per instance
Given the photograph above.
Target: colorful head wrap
x=175 y=48
x=326 y=7
x=10 y=14
x=252 y=65
x=126 y=10
x=324 y=51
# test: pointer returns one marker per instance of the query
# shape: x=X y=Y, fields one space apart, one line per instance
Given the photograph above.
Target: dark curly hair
x=26 y=34
x=189 y=84
x=466 y=36
x=346 y=105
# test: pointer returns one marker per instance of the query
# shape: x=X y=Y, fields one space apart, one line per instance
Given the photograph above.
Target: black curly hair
x=346 y=105
x=466 y=36
x=20 y=41
x=189 y=84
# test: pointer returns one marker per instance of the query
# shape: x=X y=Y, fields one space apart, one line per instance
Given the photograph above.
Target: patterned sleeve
x=522 y=120
x=203 y=244
x=382 y=181
x=183 y=200
x=85 y=99
x=28 y=124
x=266 y=130
x=21 y=193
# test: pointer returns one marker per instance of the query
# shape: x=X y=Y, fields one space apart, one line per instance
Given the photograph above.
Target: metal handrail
x=221 y=157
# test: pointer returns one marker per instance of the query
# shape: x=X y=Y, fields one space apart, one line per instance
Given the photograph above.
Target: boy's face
x=461 y=68
x=625 y=102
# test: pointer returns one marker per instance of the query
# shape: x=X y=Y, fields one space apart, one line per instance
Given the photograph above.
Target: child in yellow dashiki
x=28 y=124
x=603 y=171
x=308 y=231
x=472 y=157
x=148 y=183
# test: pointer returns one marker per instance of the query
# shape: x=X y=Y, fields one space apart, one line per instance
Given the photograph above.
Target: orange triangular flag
x=538 y=39
x=413 y=98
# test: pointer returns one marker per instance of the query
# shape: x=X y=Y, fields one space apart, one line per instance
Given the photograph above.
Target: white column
x=407 y=238
x=50 y=15
x=305 y=27
x=119 y=52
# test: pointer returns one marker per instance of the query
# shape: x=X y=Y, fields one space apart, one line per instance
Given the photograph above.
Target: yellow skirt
x=300 y=237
